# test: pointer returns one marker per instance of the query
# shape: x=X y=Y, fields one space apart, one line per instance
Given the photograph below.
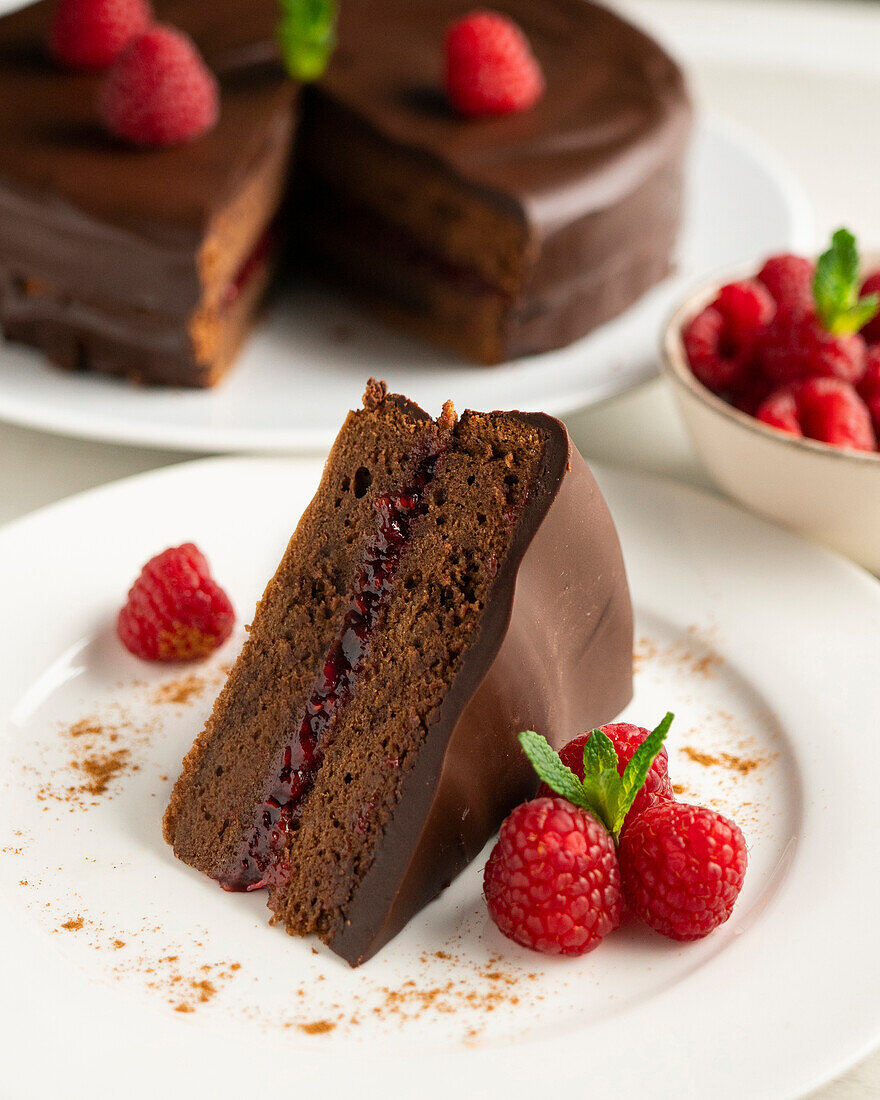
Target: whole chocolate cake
x=452 y=583
x=496 y=237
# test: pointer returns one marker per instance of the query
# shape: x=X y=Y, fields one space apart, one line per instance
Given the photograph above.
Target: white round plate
x=308 y=360
x=121 y=965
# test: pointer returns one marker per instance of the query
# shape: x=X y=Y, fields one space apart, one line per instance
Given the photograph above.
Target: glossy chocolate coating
x=614 y=103
x=554 y=654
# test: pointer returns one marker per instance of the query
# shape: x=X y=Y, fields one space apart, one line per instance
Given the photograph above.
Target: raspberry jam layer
x=254 y=263
x=262 y=864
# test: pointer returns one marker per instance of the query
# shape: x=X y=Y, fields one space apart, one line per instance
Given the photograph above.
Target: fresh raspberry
x=747 y=308
x=160 y=92
x=780 y=411
x=490 y=67
x=717 y=361
x=789 y=280
x=751 y=392
x=832 y=412
x=91 y=34
x=682 y=868
x=869 y=386
x=552 y=882
x=627 y=739
x=796 y=346
x=175 y=609
x=871 y=331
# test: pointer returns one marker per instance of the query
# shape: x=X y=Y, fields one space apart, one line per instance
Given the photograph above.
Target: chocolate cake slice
x=452 y=583
x=147 y=263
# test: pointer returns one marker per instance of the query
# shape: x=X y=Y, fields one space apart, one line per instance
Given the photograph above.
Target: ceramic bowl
x=826 y=493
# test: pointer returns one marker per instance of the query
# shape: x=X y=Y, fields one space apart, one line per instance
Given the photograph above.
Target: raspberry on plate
x=91 y=34
x=490 y=67
x=626 y=738
x=832 y=412
x=175 y=609
x=871 y=331
x=159 y=91
x=682 y=868
x=789 y=279
x=552 y=882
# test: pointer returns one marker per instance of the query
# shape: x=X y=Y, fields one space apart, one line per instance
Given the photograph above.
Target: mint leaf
x=307 y=36
x=600 y=755
x=545 y=760
x=636 y=771
x=863 y=311
x=836 y=288
x=603 y=793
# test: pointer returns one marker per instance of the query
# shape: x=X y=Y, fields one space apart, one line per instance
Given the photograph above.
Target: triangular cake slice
x=452 y=583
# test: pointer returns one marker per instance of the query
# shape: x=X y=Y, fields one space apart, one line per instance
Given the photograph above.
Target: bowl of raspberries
x=777 y=374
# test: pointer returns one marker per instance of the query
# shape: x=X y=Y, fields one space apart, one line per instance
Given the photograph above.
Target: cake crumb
x=374 y=394
x=448 y=418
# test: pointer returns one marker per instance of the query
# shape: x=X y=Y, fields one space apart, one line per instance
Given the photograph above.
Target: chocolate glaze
x=614 y=106
x=554 y=654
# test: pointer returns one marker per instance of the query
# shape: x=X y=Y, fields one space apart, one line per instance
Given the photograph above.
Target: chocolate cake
x=495 y=237
x=452 y=583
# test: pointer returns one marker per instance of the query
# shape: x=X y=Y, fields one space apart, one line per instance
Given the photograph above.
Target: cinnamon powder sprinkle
x=100 y=753
x=74 y=924
x=742 y=765
x=317 y=1027
x=678 y=654
x=180 y=692
x=100 y=769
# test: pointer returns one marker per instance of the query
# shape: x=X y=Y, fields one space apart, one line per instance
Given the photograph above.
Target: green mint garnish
x=307 y=36
x=836 y=288
x=603 y=793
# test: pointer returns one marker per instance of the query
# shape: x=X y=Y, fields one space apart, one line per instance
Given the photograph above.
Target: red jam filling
x=254 y=262
x=303 y=753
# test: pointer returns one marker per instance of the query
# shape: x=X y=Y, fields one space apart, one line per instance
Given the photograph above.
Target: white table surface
x=810 y=86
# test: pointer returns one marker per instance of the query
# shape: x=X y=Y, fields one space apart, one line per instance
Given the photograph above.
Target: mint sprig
x=603 y=793
x=307 y=36
x=836 y=287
